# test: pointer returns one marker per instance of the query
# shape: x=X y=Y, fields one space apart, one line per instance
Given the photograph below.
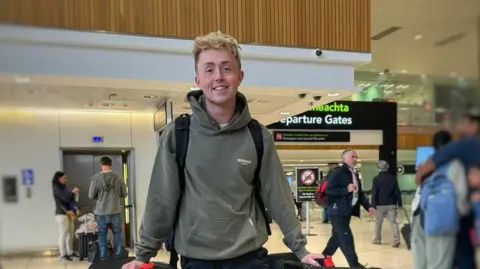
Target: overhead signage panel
x=341 y=115
x=299 y=136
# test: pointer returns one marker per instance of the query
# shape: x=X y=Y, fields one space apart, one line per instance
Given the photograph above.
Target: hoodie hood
x=241 y=118
x=106 y=180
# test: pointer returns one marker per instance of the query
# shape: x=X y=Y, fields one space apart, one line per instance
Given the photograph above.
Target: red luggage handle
x=150 y=265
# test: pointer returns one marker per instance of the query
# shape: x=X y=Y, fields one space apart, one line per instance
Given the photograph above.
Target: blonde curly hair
x=216 y=40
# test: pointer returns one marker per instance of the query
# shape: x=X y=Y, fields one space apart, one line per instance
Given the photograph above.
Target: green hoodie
x=216 y=220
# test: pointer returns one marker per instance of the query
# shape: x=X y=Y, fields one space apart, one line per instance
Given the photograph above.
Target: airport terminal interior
x=75 y=87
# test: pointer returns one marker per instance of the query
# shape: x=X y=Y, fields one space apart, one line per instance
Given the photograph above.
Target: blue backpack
x=438 y=203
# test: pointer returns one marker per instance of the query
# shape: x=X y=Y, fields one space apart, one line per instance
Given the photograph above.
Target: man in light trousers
x=386 y=197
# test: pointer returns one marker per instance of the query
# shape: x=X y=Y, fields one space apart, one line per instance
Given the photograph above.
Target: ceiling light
x=301 y=161
x=404 y=71
x=22 y=79
x=418 y=37
x=194 y=88
x=107 y=104
x=149 y=96
x=333 y=94
x=284 y=113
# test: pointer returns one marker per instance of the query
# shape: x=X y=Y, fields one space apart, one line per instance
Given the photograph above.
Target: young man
x=345 y=195
x=220 y=224
x=386 y=197
x=108 y=190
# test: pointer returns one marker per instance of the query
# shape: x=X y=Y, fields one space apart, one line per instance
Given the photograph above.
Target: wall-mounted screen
x=423 y=153
x=161 y=116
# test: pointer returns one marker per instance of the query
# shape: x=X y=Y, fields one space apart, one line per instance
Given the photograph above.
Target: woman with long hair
x=64 y=210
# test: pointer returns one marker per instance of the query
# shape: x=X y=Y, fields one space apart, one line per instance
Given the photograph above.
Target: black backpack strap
x=257 y=134
x=182 y=135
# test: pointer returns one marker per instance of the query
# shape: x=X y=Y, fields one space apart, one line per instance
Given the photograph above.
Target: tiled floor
x=382 y=256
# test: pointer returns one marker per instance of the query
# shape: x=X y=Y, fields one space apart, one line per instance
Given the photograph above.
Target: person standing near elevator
x=108 y=190
x=345 y=195
x=386 y=197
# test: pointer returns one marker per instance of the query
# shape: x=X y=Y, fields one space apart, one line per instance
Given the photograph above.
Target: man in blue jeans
x=108 y=190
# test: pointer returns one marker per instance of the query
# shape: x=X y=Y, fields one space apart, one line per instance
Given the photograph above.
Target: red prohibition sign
x=307 y=177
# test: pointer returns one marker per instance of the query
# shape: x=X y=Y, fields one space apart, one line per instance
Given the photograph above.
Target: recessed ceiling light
x=333 y=94
x=149 y=96
x=284 y=113
x=418 y=37
x=404 y=71
x=107 y=104
x=301 y=161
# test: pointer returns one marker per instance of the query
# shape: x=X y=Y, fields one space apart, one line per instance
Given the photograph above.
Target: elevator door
x=80 y=168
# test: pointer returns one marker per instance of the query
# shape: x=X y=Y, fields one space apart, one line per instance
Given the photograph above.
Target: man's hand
x=133 y=265
x=75 y=190
x=309 y=259
x=351 y=187
x=423 y=169
x=372 y=211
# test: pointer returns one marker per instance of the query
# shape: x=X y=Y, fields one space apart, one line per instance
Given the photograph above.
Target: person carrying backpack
x=214 y=190
x=320 y=193
x=439 y=205
x=464 y=150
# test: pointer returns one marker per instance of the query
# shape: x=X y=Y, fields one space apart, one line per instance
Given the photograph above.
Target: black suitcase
x=290 y=261
x=85 y=241
x=406 y=230
x=111 y=263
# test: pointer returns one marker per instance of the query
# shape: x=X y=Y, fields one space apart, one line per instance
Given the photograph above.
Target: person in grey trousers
x=386 y=197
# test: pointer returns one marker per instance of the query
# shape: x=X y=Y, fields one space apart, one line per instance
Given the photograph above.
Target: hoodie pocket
x=219 y=234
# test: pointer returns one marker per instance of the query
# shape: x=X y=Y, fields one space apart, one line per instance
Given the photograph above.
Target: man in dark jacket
x=345 y=195
x=386 y=197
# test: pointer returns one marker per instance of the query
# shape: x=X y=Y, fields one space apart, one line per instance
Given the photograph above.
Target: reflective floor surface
x=383 y=256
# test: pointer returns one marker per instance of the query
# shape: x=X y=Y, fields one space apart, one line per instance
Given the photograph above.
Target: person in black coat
x=64 y=202
x=345 y=195
x=386 y=197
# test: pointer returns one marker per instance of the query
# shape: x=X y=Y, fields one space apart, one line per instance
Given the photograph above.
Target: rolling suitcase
x=86 y=240
x=406 y=230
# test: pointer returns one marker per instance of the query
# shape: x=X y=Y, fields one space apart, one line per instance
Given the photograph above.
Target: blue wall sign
x=27 y=177
x=97 y=139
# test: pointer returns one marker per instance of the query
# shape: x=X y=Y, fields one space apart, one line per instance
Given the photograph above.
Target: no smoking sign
x=307 y=183
x=308 y=177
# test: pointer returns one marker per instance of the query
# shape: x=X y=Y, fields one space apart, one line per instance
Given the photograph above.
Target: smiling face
x=218 y=75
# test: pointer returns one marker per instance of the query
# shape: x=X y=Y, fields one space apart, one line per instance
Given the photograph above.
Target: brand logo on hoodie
x=244 y=162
